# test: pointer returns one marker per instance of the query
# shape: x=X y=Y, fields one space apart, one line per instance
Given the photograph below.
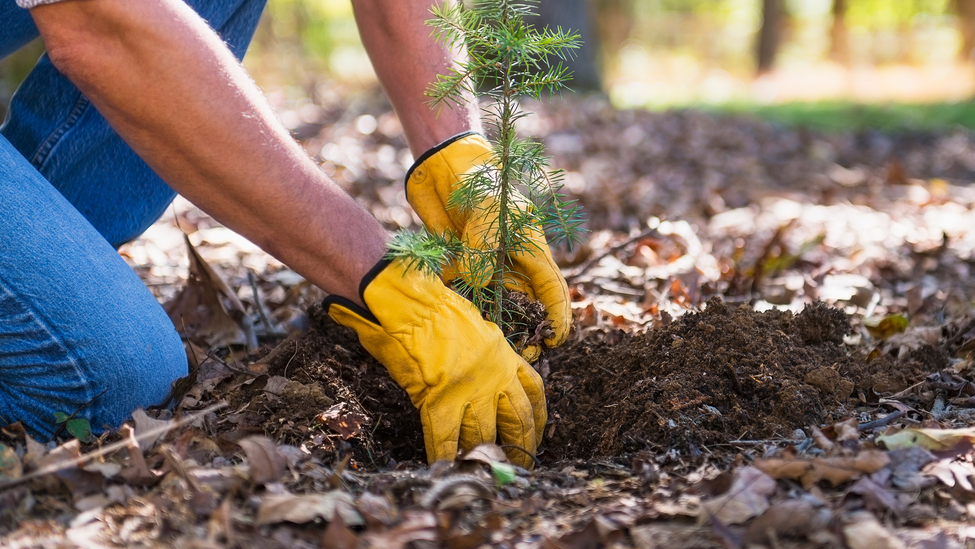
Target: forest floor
x=772 y=348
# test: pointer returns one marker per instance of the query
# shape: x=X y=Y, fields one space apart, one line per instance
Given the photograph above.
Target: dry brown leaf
x=145 y=424
x=206 y=307
x=347 y=424
x=822 y=441
x=748 y=497
x=301 y=509
x=486 y=454
x=338 y=535
x=266 y=463
x=863 y=531
x=877 y=497
x=794 y=518
x=848 y=429
x=836 y=470
x=80 y=482
x=952 y=474
x=416 y=526
x=587 y=538
x=377 y=510
x=937 y=440
x=138 y=471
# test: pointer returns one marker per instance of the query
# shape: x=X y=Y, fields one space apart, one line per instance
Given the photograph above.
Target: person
x=136 y=101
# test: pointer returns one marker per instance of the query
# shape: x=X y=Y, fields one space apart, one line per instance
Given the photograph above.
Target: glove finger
x=534 y=389
x=550 y=288
x=477 y=426
x=516 y=425
x=440 y=438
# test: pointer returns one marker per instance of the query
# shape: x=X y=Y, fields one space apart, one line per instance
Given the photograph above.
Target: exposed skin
x=172 y=90
x=407 y=58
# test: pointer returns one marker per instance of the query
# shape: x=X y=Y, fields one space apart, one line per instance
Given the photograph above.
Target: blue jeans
x=78 y=329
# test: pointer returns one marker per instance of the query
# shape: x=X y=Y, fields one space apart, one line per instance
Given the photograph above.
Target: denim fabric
x=77 y=327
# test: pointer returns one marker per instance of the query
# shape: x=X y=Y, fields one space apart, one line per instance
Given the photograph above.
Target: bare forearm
x=407 y=59
x=174 y=92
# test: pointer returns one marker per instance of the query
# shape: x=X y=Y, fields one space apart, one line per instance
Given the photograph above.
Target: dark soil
x=706 y=378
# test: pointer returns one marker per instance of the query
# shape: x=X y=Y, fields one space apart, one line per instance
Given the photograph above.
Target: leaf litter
x=772 y=347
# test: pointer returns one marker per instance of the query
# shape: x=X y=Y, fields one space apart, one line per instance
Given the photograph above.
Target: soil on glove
x=722 y=374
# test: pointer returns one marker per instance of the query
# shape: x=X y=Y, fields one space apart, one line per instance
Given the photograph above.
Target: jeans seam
x=45 y=149
x=47 y=328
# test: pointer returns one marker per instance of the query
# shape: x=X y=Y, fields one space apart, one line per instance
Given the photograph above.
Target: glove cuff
x=367 y=279
x=441 y=146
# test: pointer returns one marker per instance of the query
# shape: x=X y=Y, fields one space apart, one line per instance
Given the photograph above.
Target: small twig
x=595 y=259
x=257 y=303
x=75 y=412
x=882 y=422
x=905 y=391
x=105 y=450
x=527 y=453
x=286 y=366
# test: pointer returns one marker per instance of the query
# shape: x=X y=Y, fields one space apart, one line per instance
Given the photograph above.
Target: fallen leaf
x=266 y=463
x=906 y=465
x=586 y=538
x=145 y=425
x=65 y=459
x=848 y=429
x=338 y=535
x=416 y=526
x=747 y=498
x=885 y=327
x=794 y=518
x=876 y=497
x=835 y=470
x=347 y=424
x=377 y=510
x=931 y=439
x=137 y=472
x=863 y=531
x=674 y=534
x=206 y=307
x=952 y=474
x=487 y=454
x=301 y=509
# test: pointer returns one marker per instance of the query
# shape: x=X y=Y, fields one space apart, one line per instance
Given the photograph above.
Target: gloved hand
x=458 y=369
x=429 y=184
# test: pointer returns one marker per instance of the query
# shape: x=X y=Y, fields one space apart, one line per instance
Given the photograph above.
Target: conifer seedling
x=508 y=60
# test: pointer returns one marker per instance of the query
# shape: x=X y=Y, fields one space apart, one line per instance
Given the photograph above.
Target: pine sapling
x=515 y=188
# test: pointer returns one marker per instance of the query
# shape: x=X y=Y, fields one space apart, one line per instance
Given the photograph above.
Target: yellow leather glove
x=458 y=369
x=429 y=183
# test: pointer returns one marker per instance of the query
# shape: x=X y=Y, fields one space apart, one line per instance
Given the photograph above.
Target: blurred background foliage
x=816 y=62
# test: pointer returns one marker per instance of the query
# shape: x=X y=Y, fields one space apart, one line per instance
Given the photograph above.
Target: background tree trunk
x=769 y=35
x=965 y=10
x=839 y=46
x=614 y=21
x=575 y=15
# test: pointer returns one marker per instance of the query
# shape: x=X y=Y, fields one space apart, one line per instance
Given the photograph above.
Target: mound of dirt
x=724 y=373
x=706 y=378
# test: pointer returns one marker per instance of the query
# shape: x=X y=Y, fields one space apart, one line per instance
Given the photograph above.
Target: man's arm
x=177 y=96
x=407 y=60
